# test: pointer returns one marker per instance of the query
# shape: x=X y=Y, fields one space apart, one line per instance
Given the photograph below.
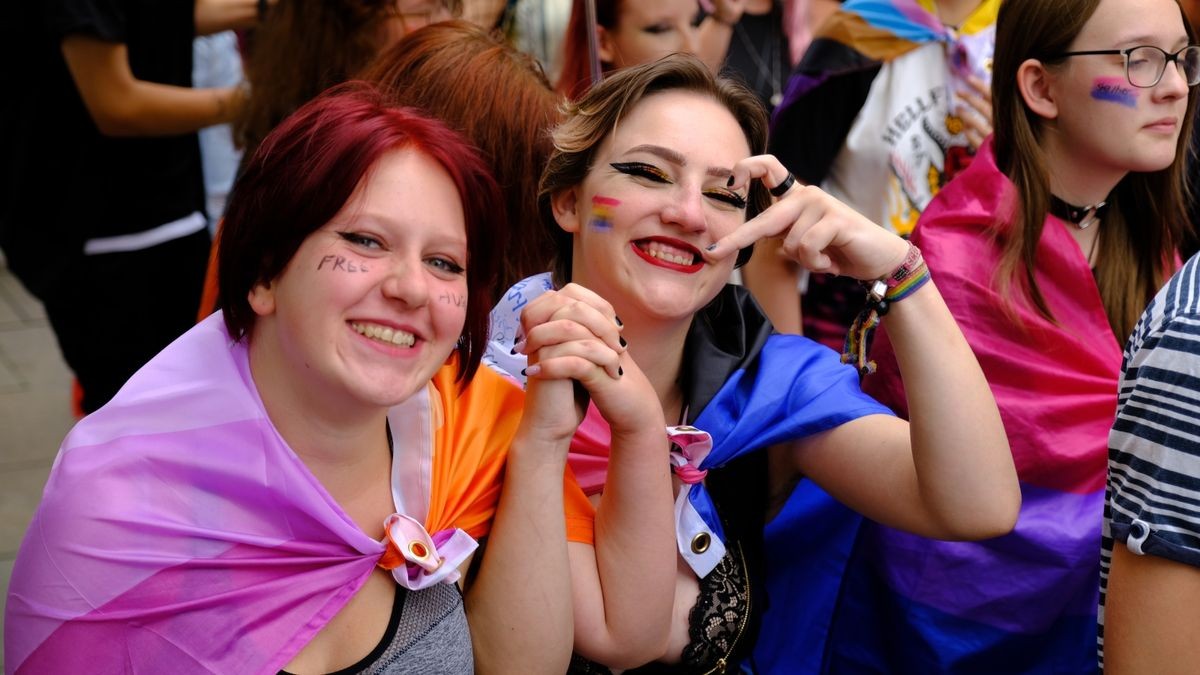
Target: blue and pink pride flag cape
x=746 y=388
x=179 y=533
x=1025 y=602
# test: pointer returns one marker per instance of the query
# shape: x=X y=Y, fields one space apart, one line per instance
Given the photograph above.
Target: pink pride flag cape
x=1024 y=602
x=179 y=533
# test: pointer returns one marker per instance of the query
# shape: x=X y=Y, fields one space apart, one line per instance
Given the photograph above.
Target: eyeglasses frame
x=1167 y=58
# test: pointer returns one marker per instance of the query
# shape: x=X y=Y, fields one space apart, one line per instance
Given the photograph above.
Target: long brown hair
x=443 y=69
x=1147 y=214
x=303 y=47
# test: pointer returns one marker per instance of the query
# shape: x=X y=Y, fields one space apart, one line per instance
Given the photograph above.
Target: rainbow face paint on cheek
x=1114 y=90
x=602 y=212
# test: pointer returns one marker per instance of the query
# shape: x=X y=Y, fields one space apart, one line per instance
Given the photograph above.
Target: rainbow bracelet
x=911 y=275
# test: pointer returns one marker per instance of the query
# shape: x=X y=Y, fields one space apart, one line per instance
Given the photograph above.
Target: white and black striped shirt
x=1152 y=500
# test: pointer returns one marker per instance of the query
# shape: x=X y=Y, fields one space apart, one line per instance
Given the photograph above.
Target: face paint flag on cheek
x=602 y=212
x=1114 y=90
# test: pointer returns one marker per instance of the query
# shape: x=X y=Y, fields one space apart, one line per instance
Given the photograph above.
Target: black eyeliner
x=731 y=198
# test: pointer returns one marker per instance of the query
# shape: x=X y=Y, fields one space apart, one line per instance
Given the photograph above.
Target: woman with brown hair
x=1048 y=247
x=442 y=69
x=654 y=193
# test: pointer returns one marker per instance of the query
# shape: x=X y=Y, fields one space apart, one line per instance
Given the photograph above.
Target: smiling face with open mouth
x=656 y=196
x=372 y=303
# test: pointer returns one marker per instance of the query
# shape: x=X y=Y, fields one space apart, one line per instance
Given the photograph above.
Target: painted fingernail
x=618 y=320
x=523 y=371
x=620 y=371
x=533 y=370
x=624 y=344
x=519 y=346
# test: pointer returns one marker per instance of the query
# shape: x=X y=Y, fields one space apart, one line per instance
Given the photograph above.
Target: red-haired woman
x=299 y=481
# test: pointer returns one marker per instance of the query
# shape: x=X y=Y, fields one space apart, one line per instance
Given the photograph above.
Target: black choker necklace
x=1082 y=217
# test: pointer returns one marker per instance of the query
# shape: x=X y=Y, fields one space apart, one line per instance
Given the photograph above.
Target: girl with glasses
x=1047 y=248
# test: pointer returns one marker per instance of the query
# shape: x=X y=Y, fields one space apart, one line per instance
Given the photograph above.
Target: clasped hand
x=573 y=335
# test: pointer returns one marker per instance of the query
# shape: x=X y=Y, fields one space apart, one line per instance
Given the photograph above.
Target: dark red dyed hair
x=305 y=171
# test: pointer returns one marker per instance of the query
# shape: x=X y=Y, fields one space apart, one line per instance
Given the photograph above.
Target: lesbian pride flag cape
x=746 y=388
x=179 y=533
x=1024 y=602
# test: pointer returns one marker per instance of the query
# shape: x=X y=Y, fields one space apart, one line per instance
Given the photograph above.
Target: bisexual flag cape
x=1025 y=602
x=748 y=388
x=179 y=533
x=869 y=116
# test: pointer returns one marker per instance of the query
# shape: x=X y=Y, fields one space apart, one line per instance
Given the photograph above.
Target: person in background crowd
x=1049 y=246
x=102 y=214
x=888 y=104
x=539 y=28
x=629 y=33
x=217 y=62
x=759 y=52
x=303 y=47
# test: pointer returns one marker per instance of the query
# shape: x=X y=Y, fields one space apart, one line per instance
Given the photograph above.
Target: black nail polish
x=618 y=320
x=522 y=372
x=730 y=183
x=514 y=351
x=624 y=344
x=620 y=371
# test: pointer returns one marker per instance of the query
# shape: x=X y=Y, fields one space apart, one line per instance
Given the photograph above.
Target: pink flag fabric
x=179 y=533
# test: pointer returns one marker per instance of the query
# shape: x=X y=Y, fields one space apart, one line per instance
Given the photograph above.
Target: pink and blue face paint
x=1115 y=90
x=602 y=212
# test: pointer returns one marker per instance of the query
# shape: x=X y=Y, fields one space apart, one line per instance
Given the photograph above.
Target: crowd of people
x=759 y=336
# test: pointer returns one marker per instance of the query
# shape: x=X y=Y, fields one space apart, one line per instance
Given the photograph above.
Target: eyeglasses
x=1144 y=65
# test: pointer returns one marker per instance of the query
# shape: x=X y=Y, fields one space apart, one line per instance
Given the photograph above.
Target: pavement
x=35 y=414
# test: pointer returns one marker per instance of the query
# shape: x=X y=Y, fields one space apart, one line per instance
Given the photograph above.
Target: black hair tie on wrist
x=782 y=188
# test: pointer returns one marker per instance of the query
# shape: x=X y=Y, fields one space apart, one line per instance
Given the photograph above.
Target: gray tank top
x=427 y=633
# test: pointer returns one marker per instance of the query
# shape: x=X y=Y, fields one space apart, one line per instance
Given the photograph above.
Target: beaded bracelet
x=912 y=274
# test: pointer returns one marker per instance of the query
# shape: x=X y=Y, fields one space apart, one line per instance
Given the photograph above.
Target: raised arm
x=519 y=605
x=623 y=585
x=214 y=16
x=122 y=105
x=949 y=474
